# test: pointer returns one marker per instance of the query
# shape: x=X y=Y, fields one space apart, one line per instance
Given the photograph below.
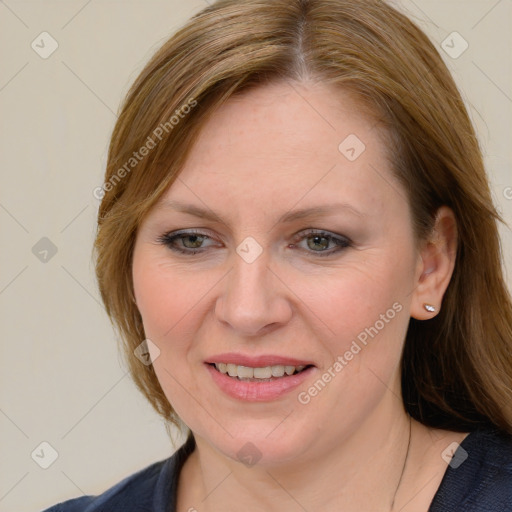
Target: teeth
x=232 y=370
x=266 y=372
x=277 y=371
x=289 y=370
x=245 y=372
x=263 y=373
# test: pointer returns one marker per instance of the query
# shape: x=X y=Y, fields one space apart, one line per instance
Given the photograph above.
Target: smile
x=263 y=381
x=255 y=374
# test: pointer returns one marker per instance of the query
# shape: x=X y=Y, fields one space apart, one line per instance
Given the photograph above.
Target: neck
x=362 y=472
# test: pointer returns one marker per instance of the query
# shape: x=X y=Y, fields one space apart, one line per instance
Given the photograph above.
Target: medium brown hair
x=457 y=366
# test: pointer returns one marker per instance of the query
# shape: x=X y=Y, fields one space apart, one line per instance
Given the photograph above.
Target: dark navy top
x=478 y=479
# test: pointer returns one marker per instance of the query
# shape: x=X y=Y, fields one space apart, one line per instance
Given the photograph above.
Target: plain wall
x=61 y=378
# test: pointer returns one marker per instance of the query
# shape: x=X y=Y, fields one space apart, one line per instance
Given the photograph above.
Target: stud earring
x=429 y=308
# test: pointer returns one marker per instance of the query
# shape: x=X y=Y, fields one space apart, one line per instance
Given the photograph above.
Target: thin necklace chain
x=405 y=463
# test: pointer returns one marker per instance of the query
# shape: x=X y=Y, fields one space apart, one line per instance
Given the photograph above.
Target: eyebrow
x=287 y=217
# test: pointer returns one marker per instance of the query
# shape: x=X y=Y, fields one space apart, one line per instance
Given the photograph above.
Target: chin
x=266 y=444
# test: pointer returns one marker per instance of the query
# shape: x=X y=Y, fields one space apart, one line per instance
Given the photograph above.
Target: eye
x=319 y=241
x=185 y=242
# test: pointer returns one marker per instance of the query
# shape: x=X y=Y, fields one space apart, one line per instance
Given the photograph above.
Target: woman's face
x=253 y=285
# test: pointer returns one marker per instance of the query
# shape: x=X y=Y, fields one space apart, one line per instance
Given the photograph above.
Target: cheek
x=364 y=319
x=168 y=299
x=350 y=299
x=363 y=310
x=167 y=296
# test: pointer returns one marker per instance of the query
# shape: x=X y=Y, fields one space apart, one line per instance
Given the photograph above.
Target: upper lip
x=257 y=361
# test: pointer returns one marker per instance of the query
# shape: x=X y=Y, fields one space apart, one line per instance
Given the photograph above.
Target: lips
x=257 y=378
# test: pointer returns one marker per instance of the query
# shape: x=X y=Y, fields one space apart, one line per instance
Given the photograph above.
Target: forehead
x=287 y=144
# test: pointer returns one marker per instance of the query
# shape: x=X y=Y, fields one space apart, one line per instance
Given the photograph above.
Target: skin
x=265 y=153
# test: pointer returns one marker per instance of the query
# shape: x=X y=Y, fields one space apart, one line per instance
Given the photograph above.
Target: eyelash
x=168 y=240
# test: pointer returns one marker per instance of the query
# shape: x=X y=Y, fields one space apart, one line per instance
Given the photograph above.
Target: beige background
x=61 y=380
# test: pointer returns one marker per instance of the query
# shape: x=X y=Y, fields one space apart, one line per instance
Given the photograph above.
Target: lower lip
x=251 y=391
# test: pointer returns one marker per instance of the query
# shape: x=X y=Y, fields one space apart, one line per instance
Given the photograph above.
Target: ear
x=436 y=261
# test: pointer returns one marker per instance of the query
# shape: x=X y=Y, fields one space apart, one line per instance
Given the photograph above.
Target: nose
x=253 y=299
